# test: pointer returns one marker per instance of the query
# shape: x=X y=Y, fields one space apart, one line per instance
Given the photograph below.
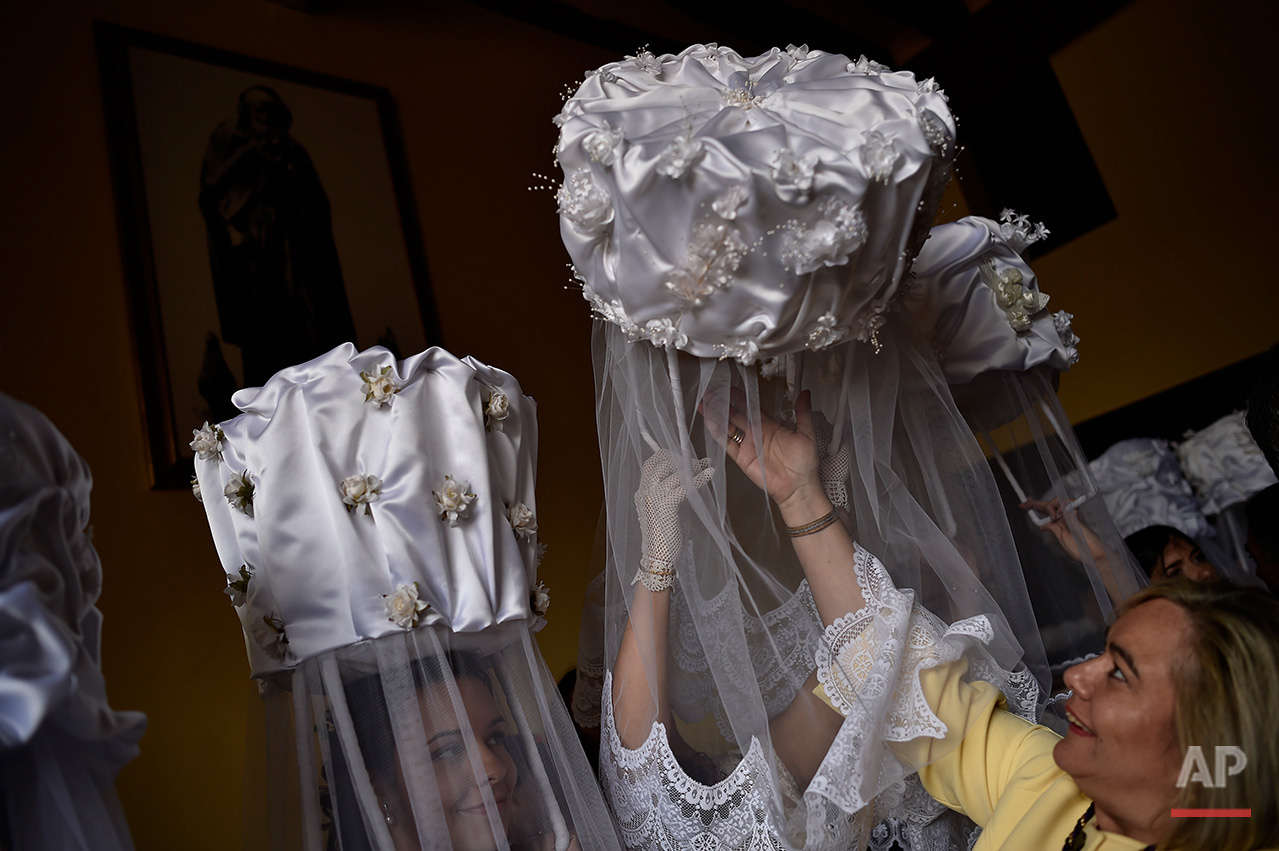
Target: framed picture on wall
x=265 y=217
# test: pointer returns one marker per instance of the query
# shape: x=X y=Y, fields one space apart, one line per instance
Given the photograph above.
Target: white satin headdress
x=1224 y=464
x=377 y=524
x=357 y=496
x=1143 y=485
x=749 y=208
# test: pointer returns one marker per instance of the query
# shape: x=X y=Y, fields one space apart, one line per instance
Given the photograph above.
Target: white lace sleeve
x=881 y=649
x=658 y=806
x=780 y=645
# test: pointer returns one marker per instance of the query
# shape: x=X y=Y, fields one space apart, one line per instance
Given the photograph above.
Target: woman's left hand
x=782 y=462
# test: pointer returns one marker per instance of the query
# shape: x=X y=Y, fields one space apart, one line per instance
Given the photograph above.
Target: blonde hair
x=1227 y=694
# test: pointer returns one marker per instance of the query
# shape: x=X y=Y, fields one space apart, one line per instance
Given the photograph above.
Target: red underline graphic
x=1210 y=813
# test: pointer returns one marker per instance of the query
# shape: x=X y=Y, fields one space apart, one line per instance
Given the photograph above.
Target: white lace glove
x=835 y=468
x=657 y=503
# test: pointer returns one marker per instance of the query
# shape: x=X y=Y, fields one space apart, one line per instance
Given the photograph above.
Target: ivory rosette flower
x=360 y=492
x=540 y=599
x=195 y=489
x=379 y=387
x=453 y=499
x=404 y=606
x=678 y=157
x=497 y=407
x=237 y=585
x=239 y=492
x=584 y=202
x=540 y=554
x=791 y=170
x=522 y=521
x=270 y=635
x=207 y=442
x=602 y=145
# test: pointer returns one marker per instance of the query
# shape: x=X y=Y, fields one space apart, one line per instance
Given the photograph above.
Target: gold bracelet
x=816 y=526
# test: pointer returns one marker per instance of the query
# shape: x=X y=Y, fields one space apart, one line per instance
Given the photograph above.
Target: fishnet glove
x=835 y=468
x=657 y=503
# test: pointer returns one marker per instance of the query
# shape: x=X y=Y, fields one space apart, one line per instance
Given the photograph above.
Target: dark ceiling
x=1020 y=146
x=991 y=56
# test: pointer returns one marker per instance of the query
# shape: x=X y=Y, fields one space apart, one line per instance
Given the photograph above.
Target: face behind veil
x=912 y=486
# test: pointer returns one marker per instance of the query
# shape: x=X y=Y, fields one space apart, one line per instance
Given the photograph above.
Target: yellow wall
x=1175 y=287
x=1172 y=99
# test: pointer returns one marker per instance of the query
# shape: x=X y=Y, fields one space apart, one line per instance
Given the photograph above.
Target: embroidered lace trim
x=658 y=806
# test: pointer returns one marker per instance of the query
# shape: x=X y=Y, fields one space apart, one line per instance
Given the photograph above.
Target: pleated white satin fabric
x=749 y=207
x=383 y=567
x=61 y=743
x=324 y=570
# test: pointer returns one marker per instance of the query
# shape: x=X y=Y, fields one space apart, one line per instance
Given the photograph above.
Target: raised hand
x=657 y=502
x=777 y=459
x=1061 y=530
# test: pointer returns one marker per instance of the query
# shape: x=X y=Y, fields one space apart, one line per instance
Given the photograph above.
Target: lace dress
x=869 y=663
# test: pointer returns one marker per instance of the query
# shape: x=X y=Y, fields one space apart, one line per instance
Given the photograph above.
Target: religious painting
x=265 y=217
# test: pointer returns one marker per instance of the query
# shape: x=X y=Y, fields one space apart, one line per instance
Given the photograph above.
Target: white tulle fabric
x=61 y=743
x=1004 y=375
x=744 y=629
x=747 y=225
x=723 y=204
x=407 y=703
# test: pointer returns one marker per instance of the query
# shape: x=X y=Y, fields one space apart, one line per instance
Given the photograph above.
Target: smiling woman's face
x=463 y=799
x=1121 y=747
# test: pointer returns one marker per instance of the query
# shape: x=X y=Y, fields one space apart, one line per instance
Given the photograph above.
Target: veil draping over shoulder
x=61 y=743
x=744 y=229
x=377 y=523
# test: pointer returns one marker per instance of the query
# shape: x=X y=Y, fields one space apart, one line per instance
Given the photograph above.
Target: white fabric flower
x=825 y=332
x=270 y=635
x=584 y=202
x=453 y=499
x=715 y=251
x=522 y=520
x=791 y=170
x=360 y=492
x=664 y=333
x=866 y=67
x=828 y=241
x=744 y=351
x=879 y=156
x=239 y=492
x=540 y=599
x=797 y=54
x=727 y=204
x=195 y=489
x=404 y=606
x=207 y=442
x=497 y=407
x=237 y=585
x=379 y=388
x=1018 y=303
x=539 y=554
x=678 y=157
x=646 y=61
x=602 y=144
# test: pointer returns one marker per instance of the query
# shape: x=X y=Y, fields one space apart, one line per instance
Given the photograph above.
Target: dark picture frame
x=327 y=178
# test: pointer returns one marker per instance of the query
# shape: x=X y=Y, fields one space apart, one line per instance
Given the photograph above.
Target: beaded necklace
x=1075 y=841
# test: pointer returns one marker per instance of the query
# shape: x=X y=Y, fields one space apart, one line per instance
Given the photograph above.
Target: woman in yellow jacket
x=1175 y=714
